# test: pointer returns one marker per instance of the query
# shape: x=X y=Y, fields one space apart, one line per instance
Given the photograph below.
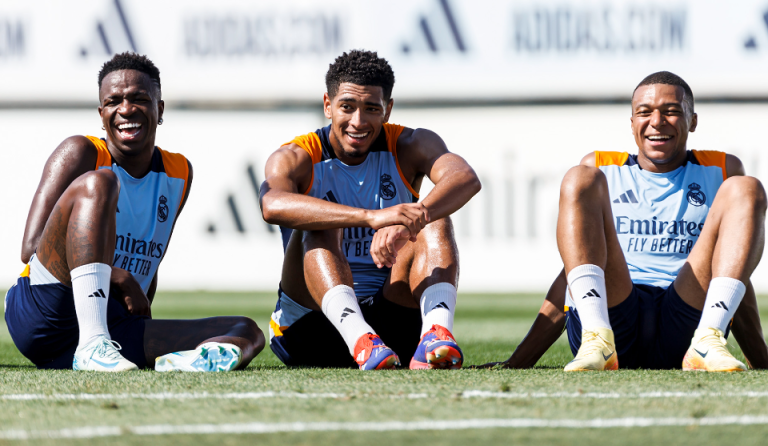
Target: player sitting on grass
x=658 y=250
x=98 y=228
x=366 y=264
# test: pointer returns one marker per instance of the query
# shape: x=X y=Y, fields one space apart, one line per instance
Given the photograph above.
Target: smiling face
x=130 y=110
x=357 y=114
x=661 y=122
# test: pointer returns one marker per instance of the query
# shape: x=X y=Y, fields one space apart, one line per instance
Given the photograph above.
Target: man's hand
x=387 y=242
x=126 y=290
x=413 y=216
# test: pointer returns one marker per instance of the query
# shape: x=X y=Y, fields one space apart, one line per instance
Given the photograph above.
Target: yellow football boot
x=708 y=353
x=597 y=352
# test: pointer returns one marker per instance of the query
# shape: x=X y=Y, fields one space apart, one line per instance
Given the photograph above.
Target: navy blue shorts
x=652 y=328
x=313 y=341
x=43 y=325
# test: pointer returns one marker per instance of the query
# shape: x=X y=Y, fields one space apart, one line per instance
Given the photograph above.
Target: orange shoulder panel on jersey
x=176 y=166
x=711 y=158
x=392 y=132
x=104 y=159
x=610 y=158
x=312 y=145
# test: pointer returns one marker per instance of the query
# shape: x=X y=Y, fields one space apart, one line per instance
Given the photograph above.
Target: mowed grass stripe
x=378 y=426
x=307 y=396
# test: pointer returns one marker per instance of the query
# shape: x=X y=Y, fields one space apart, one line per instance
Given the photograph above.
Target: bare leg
x=731 y=243
x=314 y=263
x=432 y=259
x=585 y=230
x=81 y=228
x=167 y=336
x=728 y=249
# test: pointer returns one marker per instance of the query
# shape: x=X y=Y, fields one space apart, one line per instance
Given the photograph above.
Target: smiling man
x=658 y=250
x=98 y=228
x=370 y=274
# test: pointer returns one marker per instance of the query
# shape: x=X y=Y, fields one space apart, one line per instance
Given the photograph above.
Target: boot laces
x=109 y=349
x=592 y=342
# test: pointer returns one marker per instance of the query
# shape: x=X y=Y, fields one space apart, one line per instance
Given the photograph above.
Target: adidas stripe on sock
x=587 y=285
x=341 y=308
x=438 y=304
x=90 y=287
x=723 y=298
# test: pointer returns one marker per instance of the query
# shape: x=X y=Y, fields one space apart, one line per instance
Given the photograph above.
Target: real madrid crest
x=695 y=195
x=162 y=209
x=387 y=189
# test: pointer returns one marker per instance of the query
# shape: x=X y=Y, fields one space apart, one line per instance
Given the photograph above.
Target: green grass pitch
x=258 y=405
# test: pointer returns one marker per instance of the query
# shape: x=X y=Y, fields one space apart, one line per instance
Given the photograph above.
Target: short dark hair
x=667 y=78
x=361 y=68
x=131 y=61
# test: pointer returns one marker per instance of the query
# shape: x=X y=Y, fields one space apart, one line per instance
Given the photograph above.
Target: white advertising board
x=230 y=51
x=506 y=234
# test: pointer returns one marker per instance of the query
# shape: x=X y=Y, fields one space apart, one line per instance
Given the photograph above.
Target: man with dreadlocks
x=97 y=230
x=368 y=270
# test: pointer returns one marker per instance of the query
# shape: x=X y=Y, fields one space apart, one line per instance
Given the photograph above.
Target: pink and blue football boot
x=372 y=354
x=437 y=350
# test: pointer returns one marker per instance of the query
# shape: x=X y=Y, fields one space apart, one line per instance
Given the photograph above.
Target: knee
x=101 y=184
x=329 y=239
x=583 y=182
x=250 y=330
x=744 y=191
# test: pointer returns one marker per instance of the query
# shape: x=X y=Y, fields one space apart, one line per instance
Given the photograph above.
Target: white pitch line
x=378 y=426
x=299 y=395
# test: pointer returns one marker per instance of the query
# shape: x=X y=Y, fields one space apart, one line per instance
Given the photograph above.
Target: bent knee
x=99 y=184
x=249 y=328
x=328 y=239
x=744 y=191
x=583 y=181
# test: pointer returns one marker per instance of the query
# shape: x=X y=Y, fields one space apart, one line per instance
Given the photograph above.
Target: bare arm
x=288 y=174
x=546 y=328
x=423 y=153
x=75 y=156
x=748 y=331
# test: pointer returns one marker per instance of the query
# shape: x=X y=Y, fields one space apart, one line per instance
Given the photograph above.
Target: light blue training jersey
x=658 y=216
x=147 y=208
x=376 y=183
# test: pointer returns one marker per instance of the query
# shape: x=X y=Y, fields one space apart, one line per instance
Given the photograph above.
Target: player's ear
x=327 y=106
x=694 y=123
x=388 y=110
x=160 y=110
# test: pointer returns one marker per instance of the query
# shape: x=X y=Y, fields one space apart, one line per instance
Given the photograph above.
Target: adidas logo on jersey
x=347 y=312
x=98 y=293
x=330 y=197
x=626 y=197
x=720 y=304
x=591 y=293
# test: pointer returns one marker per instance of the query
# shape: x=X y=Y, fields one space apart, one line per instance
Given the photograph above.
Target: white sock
x=90 y=286
x=587 y=284
x=341 y=308
x=438 y=303
x=723 y=298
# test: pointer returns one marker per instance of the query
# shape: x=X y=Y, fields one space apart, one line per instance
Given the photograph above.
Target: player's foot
x=209 y=357
x=372 y=354
x=597 y=352
x=101 y=355
x=437 y=350
x=708 y=353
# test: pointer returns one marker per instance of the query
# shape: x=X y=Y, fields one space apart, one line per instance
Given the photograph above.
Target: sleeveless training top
x=146 y=210
x=659 y=216
x=377 y=183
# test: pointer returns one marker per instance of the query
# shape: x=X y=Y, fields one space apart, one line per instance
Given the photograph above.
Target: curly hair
x=361 y=68
x=667 y=78
x=131 y=61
